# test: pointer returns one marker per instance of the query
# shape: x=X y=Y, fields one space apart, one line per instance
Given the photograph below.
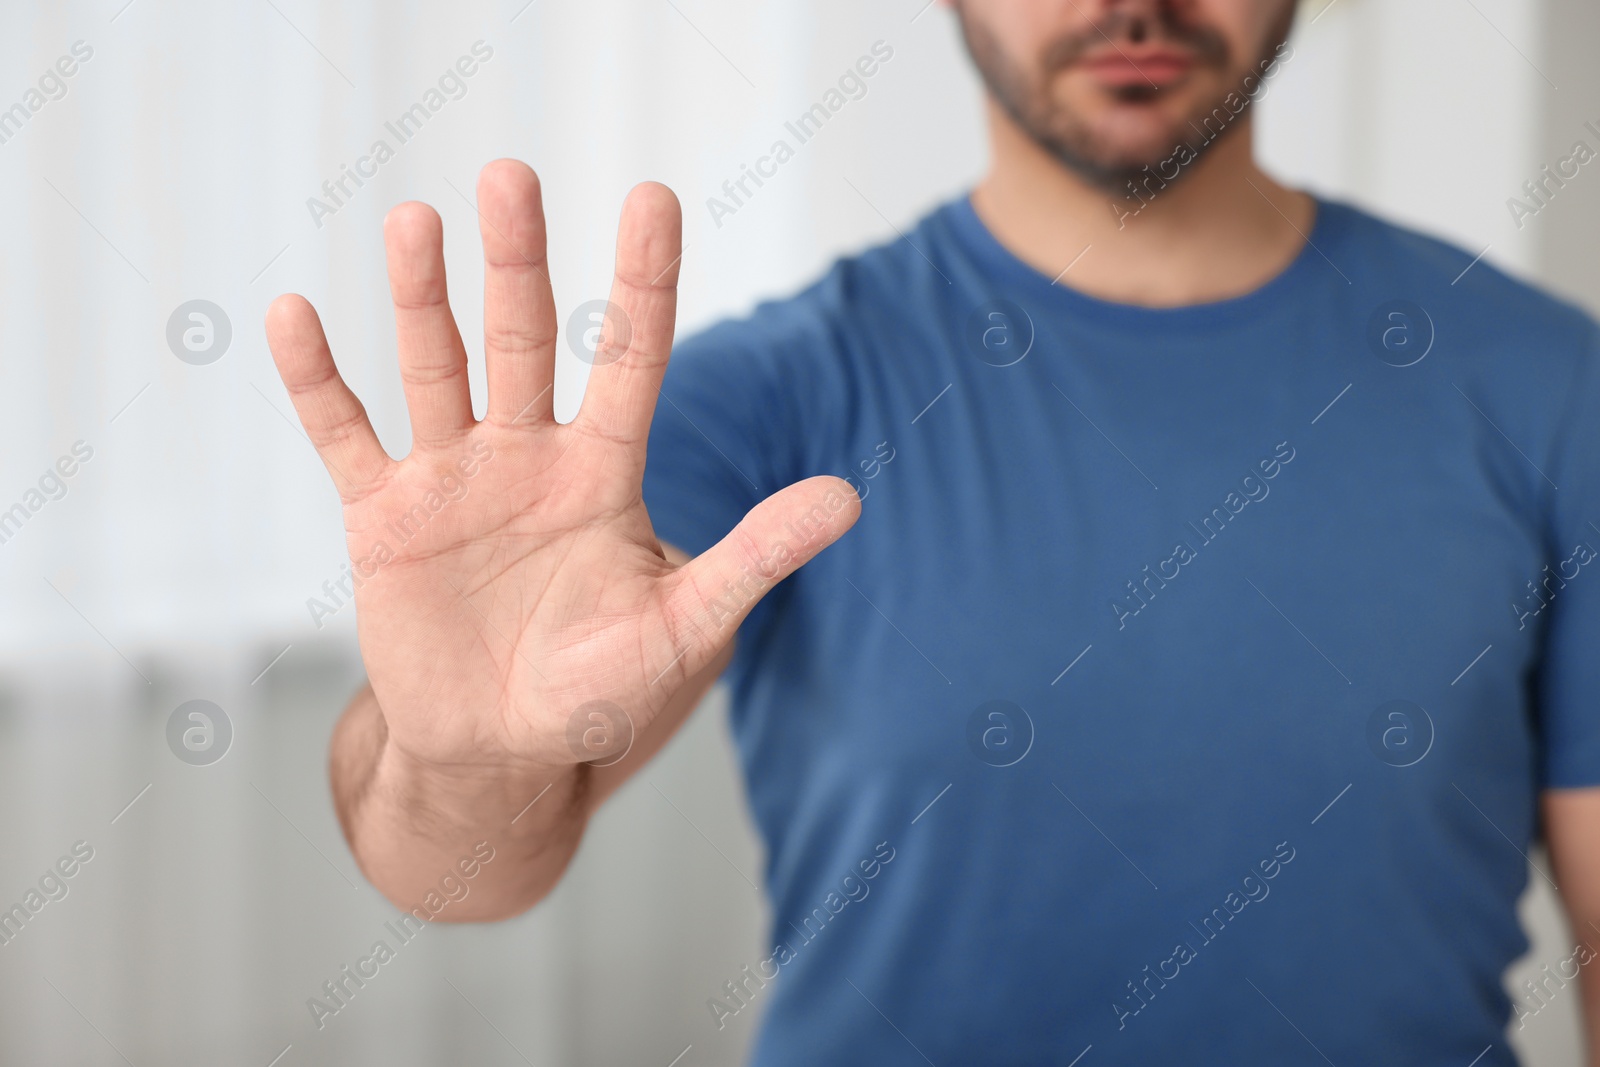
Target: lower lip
x=1120 y=72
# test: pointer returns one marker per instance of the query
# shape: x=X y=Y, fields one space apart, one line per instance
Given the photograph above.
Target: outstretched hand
x=507 y=574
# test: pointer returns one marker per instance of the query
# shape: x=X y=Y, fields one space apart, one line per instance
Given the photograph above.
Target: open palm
x=507 y=574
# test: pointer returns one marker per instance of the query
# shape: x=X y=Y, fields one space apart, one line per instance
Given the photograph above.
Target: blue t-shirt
x=1188 y=681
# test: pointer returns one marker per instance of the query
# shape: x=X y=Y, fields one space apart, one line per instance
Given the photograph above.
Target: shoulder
x=1482 y=305
x=1528 y=355
x=1527 y=360
x=859 y=294
x=806 y=357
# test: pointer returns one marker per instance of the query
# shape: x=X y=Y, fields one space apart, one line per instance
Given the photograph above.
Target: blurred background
x=184 y=159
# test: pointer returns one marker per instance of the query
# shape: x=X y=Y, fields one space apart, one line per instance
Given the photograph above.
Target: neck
x=1223 y=229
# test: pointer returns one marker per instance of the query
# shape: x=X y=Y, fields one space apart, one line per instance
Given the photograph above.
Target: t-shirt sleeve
x=703 y=466
x=727 y=431
x=1568 y=674
x=722 y=437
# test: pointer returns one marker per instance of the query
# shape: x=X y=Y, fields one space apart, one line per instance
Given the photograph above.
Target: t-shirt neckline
x=975 y=236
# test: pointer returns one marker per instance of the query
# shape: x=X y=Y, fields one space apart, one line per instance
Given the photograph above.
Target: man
x=1164 y=700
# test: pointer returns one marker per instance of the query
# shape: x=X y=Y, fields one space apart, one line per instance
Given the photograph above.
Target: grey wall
x=223 y=898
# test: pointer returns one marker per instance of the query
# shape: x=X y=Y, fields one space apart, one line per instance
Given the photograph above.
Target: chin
x=1133 y=133
x=1132 y=146
x=1123 y=144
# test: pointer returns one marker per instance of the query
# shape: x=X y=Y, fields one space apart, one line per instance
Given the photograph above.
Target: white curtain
x=175 y=163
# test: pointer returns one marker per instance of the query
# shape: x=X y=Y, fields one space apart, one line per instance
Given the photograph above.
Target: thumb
x=711 y=594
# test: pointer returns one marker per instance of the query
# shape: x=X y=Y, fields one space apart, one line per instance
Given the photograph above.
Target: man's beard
x=1064 y=134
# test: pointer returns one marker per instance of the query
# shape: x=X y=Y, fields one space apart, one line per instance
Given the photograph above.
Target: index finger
x=334 y=419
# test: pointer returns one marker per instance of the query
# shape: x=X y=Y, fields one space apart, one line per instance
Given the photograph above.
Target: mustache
x=1208 y=45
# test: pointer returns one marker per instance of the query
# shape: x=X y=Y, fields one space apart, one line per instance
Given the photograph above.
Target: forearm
x=1572 y=831
x=411 y=825
x=1583 y=917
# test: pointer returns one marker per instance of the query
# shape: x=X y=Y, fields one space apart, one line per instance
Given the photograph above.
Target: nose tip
x=1137 y=15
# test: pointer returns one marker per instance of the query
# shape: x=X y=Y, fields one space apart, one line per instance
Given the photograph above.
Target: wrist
x=456 y=796
x=423 y=818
